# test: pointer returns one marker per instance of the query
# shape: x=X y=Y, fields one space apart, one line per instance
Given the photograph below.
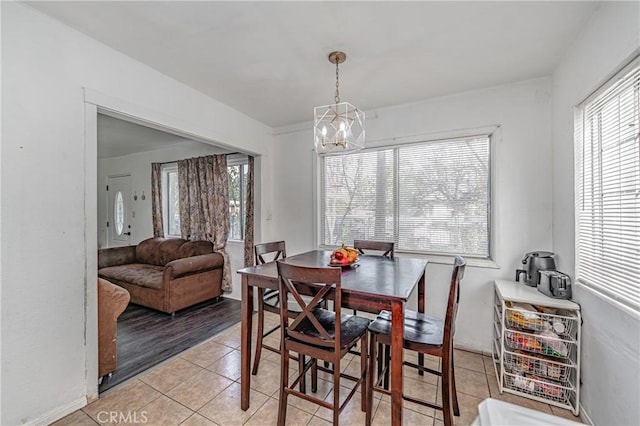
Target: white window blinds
x=608 y=189
x=430 y=197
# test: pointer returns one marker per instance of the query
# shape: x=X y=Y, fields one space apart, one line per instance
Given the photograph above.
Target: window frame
x=165 y=170
x=613 y=297
x=242 y=162
x=492 y=132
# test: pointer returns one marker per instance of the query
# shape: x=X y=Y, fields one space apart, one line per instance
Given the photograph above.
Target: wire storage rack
x=536 y=350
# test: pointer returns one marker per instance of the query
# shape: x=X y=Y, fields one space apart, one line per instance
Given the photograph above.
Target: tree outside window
x=237 y=199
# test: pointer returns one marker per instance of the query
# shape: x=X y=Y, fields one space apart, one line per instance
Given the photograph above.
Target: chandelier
x=338 y=128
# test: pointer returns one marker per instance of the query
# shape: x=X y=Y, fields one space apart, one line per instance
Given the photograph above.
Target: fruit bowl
x=334 y=262
x=344 y=256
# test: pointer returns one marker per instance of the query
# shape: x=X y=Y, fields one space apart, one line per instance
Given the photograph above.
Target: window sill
x=235 y=242
x=608 y=299
x=448 y=260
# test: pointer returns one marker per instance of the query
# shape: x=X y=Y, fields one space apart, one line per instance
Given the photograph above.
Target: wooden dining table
x=373 y=284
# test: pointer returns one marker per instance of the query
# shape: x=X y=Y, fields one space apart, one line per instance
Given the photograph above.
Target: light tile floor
x=201 y=386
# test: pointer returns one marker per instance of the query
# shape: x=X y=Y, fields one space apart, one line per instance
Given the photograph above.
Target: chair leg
x=284 y=383
x=303 y=379
x=372 y=359
x=364 y=359
x=380 y=359
x=260 y=332
x=447 y=412
x=387 y=362
x=314 y=375
x=421 y=363
x=336 y=391
x=454 y=393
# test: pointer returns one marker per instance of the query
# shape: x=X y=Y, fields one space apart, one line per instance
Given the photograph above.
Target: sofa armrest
x=193 y=264
x=112 y=301
x=116 y=256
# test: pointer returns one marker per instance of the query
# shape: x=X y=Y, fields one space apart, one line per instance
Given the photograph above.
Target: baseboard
x=584 y=416
x=59 y=412
x=472 y=349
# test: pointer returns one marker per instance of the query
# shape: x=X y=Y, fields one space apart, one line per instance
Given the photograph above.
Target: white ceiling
x=117 y=138
x=269 y=59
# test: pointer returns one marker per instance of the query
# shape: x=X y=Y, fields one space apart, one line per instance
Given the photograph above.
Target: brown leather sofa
x=112 y=301
x=164 y=274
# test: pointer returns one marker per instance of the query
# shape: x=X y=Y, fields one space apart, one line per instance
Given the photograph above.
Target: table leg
x=246 y=313
x=397 y=340
x=421 y=286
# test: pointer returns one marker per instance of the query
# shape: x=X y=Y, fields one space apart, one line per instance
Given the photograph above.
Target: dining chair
x=385 y=247
x=268 y=300
x=426 y=335
x=319 y=333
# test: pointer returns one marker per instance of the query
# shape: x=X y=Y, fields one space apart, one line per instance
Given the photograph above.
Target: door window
x=118 y=213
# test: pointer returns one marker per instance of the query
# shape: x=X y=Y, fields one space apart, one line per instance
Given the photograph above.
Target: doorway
x=124 y=154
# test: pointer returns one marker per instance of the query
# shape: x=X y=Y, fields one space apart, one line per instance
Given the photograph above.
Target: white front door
x=119 y=210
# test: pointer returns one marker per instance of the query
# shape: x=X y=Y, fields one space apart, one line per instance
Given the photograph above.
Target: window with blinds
x=430 y=197
x=608 y=189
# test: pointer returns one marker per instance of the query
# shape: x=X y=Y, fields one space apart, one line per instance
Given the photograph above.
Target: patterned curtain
x=156 y=199
x=204 y=204
x=248 y=231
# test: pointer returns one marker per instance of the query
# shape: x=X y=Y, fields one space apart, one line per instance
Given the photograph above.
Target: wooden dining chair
x=426 y=335
x=319 y=333
x=268 y=300
x=385 y=247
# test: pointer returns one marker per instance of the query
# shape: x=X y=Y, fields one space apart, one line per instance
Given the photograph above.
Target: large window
x=237 y=173
x=608 y=189
x=430 y=197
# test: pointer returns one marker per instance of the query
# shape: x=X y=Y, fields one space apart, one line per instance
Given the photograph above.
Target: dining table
x=372 y=284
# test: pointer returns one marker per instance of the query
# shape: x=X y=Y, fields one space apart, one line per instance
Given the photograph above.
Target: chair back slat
x=276 y=249
x=459 y=266
x=386 y=247
x=322 y=284
x=307 y=307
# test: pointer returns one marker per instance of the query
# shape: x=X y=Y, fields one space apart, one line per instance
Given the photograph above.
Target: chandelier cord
x=337 y=97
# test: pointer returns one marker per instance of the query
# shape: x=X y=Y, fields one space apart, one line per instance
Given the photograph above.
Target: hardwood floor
x=147 y=337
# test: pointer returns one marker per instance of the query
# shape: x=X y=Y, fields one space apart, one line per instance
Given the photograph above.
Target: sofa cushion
x=144 y=275
x=195 y=248
x=116 y=256
x=159 y=251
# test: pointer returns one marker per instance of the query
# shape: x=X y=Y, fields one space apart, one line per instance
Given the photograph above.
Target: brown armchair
x=112 y=301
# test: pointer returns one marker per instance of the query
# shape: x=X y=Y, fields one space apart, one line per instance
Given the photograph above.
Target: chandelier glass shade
x=338 y=128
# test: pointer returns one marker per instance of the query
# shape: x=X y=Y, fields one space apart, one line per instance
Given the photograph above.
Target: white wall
x=611 y=338
x=522 y=182
x=47 y=234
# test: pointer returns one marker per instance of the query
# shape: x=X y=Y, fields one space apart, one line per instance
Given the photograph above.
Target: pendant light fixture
x=338 y=128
